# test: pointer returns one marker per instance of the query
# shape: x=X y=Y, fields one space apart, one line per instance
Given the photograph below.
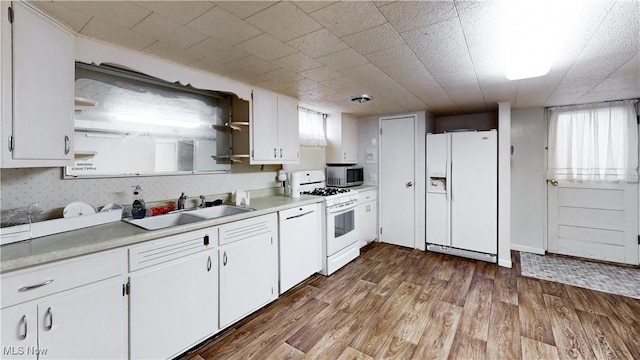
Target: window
x=594 y=142
x=311 y=128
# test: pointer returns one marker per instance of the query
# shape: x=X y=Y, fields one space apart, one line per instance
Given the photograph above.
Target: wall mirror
x=130 y=124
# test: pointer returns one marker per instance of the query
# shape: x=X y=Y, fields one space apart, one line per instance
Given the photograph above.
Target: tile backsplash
x=47 y=188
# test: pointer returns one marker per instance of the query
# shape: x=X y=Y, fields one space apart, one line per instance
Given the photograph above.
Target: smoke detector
x=361 y=99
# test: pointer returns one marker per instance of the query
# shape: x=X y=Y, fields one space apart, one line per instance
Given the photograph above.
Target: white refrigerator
x=462 y=193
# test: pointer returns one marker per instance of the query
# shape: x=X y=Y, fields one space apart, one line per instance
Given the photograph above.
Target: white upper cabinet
x=37 y=89
x=274 y=129
x=342 y=139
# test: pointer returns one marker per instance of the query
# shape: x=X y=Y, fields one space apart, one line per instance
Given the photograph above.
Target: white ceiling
x=442 y=56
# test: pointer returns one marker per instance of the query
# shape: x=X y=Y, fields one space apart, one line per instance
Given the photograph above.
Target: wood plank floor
x=399 y=303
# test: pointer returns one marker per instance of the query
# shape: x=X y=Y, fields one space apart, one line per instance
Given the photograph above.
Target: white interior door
x=397 y=178
x=593 y=220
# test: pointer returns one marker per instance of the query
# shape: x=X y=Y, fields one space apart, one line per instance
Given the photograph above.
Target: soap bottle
x=138 y=208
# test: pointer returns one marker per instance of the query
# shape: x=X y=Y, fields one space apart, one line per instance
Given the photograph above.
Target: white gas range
x=340 y=238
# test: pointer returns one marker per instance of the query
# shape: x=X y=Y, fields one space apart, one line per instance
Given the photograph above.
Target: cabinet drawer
x=44 y=280
x=171 y=248
x=244 y=229
x=369 y=195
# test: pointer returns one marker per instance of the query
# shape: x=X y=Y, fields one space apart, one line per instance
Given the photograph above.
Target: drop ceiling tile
x=244 y=9
x=318 y=43
x=503 y=91
x=344 y=84
x=618 y=33
x=303 y=86
x=343 y=59
x=214 y=66
x=298 y=62
x=280 y=76
x=587 y=73
x=178 y=11
x=216 y=51
x=284 y=21
x=311 y=6
x=406 y=99
x=441 y=47
x=624 y=83
x=591 y=16
x=74 y=19
x=375 y=39
x=410 y=15
x=321 y=74
x=484 y=35
x=159 y=27
x=167 y=50
x=536 y=90
x=371 y=76
x=250 y=65
x=443 y=105
x=266 y=47
x=103 y=30
x=224 y=26
x=459 y=81
x=401 y=64
x=349 y=17
x=117 y=13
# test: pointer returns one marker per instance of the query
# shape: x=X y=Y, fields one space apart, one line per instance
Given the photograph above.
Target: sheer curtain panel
x=312 y=128
x=597 y=142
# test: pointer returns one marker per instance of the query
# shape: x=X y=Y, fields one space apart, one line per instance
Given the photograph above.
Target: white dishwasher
x=300 y=244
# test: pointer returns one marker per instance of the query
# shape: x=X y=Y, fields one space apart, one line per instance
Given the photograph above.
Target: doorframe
x=419 y=151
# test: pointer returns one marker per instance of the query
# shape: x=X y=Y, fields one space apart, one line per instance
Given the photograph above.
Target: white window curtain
x=596 y=142
x=311 y=128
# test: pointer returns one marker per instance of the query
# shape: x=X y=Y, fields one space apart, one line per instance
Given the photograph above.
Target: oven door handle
x=342 y=210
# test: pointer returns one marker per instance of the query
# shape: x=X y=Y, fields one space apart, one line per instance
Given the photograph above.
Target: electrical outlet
x=373 y=177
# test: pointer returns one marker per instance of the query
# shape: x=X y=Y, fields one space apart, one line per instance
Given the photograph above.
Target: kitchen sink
x=164 y=221
x=186 y=217
x=219 y=211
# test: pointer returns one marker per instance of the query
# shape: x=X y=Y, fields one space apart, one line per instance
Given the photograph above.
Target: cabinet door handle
x=209 y=263
x=67 y=145
x=224 y=258
x=49 y=314
x=344 y=156
x=280 y=153
x=33 y=287
x=23 y=323
x=275 y=152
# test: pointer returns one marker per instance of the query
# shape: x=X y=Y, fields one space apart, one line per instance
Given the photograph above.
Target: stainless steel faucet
x=181 y=200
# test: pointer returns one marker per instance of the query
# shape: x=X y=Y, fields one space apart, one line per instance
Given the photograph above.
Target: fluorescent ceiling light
x=535 y=33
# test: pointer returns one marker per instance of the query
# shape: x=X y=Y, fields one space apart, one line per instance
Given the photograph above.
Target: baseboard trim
x=528 y=249
x=505 y=263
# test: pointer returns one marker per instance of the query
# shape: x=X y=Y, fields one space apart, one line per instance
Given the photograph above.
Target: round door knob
x=409 y=184
x=553 y=182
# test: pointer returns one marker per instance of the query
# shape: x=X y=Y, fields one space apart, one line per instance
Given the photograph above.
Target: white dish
x=78 y=208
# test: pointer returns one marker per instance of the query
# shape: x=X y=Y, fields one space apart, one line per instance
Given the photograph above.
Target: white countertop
x=364 y=187
x=117 y=234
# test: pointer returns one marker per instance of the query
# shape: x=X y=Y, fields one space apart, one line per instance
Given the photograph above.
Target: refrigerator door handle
x=450 y=187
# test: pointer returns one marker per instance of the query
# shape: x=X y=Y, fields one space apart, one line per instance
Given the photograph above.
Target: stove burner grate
x=325 y=191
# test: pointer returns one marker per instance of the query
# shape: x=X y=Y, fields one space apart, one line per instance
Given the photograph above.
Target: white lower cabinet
x=248 y=260
x=367 y=216
x=60 y=320
x=173 y=304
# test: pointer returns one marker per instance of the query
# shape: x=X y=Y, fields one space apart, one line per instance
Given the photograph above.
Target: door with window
x=593 y=182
